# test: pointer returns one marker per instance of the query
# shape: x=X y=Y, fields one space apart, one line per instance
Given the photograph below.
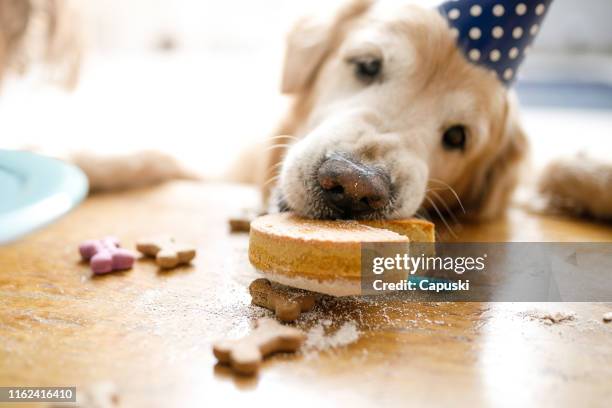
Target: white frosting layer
x=336 y=287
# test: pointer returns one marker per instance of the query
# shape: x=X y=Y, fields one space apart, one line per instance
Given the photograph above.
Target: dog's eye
x=454 y=138
x=367 y=69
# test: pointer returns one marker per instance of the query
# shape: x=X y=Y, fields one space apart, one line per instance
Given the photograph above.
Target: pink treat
x=104 y=255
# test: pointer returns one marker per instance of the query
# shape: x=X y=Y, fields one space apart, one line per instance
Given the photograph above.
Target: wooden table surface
x=150 y=332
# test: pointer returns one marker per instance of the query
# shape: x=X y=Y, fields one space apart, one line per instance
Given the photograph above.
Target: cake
x=322 y=255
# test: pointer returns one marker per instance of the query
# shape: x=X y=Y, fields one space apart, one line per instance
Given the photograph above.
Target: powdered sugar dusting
x=319 y=338
x=550 y=317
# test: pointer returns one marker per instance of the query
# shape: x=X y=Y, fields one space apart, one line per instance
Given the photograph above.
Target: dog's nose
x=354 y=188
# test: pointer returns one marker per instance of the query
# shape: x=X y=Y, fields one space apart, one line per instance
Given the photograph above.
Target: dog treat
x=167 y=252
x=320 y=255
x=607 y=317
x=242 y=221
x=245 y=355
x=238 y=224
x=105 y=255
x=286 y=304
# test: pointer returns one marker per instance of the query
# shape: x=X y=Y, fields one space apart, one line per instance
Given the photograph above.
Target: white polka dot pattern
x=517 y=32
x=495 y=34
x=454 y=14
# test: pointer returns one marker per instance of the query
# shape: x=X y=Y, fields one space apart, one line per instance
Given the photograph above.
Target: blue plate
x=35 y=190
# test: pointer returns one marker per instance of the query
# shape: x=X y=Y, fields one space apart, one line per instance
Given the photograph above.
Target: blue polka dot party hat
x=496 y=34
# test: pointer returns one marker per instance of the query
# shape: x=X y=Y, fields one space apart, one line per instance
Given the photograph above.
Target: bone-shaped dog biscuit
x=167 y=252
x=105 y=255
x=286 y=304
x=245 y=355
x=241 y=222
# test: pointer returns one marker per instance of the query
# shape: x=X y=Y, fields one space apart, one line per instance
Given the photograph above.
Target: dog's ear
x=310 y=40
x=307 y=45
x=494 y=184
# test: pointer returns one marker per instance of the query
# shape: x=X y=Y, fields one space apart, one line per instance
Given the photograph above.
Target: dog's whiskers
x=283 y=137
x=427 y=215
x=441 y=216
x=446 y=207
x=276 y=146
x=452 y=190
x=271 y=179
x=419 y=216
x=280 y=163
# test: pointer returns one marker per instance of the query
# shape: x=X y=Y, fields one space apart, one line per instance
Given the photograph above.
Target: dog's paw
x=109 y=172
x=581 y=185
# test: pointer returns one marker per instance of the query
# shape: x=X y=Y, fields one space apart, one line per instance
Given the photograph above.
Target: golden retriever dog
x=390 y=119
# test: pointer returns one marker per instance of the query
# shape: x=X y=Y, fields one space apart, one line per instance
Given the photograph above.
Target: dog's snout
x=353 y=188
